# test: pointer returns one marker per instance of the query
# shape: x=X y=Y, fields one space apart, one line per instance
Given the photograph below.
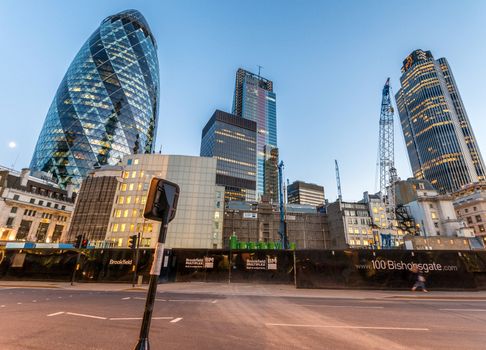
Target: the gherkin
x=107 y=103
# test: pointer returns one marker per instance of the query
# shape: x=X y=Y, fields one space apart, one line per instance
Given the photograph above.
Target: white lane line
x=138 y=298
x=2 y=305
x=471 y=310
x=55 y=314
x=346 y=327
x=125 y=298
x=34 y=301
x=176 y=320
x=345 y=306
x=164 y=318
x=84 y=315
x=19 y=303
x=193 y=300
x=214 y=301
x=139 y=318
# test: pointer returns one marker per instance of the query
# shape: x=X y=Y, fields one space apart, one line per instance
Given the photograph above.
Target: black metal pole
x=136 y=260
x=76 y=266
x=143 y=340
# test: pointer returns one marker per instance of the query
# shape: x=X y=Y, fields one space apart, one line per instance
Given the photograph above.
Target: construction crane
x=386 y=163
x=282 y=231
x=338 y=181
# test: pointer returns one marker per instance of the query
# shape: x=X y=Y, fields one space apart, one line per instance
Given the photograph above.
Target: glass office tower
x=441 y=145
x=232 y=141
x=255 y=100
x=107 y=103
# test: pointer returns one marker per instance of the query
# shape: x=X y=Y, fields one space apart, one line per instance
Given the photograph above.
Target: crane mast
x=388 y=173
x=282 y=229
x=338 y=181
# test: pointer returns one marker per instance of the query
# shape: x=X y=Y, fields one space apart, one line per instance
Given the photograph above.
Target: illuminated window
x=375 y=210
x=122 y=227
x=134 y=174
x=130 y=188
x=144 y=199
x=129 y=199
x=434 y=215
x=137 y=199
x=121 y=200
x=135 y=161
x=125 y=213
x=115 y=227
x=139 y=186
x=134 y=213
x=141 y=173
x=118 y=213
x=120 y=242
x=124 y=187
x=132 y=227
x=125 y=175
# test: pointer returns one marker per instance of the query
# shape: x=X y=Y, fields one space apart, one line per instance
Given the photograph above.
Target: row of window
x=128 y=199
x=477 y=217
x=40 y=202
x=146 y=228
x=133 y=186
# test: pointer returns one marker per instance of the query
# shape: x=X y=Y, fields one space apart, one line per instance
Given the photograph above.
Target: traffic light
x=132 y=242
x=84 y=243
x=161 y=201
x=77 y=244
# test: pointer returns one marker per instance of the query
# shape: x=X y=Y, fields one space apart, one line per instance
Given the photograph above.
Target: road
x=36 y=318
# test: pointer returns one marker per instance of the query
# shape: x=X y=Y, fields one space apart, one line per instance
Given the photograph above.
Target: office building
x=300 y=192
x=106 y=105
x=232 y=141
x=433 y=213
x=199 y=219
x=439 y=138
x=255 y=100
x=94 y=204
x=470 y=205
x=33 y=208
x=259 y=222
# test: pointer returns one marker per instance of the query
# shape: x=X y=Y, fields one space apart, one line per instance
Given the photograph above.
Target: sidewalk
x=248 y=289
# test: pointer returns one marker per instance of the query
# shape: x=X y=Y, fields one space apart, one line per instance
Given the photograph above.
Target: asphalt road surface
x=69 y=319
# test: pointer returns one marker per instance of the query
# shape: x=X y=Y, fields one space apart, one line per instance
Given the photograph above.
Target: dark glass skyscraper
x=232 y=141
x=107 y=103
x=441 y=145
x=255 y=100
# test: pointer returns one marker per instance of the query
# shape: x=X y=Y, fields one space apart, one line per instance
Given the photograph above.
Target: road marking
x=34 y=301
x=139 y=318
x=194 y=300
x=2 y=305
x=125 y=298
x=346 y=327
x=471 y=310
x=138 y=298
x=59 y=297
x=214 y=301
x=55 y=314
x=84 y=315
x=19 y=303
x=347 y=306
x=176 y=320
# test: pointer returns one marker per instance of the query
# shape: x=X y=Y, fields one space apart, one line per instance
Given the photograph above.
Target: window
x=481 y=228
x=121 y=200
x=13 y=210
x=137 y=199
x=125 y=213
x=130 y=187
x=63 y=207
x=125 y=174
x=41 y=202
x=16 y=197
x=122 y=227
x=10 y=221
x=474 y=208
x=436 y=224
x=466 y=210
x=139 y=187
x=129 y=200
x=135 y=161
x=433 y=215
x=48 y=204
x=431 y=206
x=469 y=220
x=134 y=213
x=32 y=200
x=118 y=213
x=132 y=227
x=123 y=187
x=141 y=173
x=115 y=227
x=56 y=205
x=129 y=162
x=134 y=174
x=478 y=218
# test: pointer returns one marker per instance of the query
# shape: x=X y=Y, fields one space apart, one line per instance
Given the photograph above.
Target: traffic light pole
x=137 y=248
x=143 y=341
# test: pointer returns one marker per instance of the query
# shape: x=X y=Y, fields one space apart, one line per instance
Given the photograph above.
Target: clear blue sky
x=328 y=60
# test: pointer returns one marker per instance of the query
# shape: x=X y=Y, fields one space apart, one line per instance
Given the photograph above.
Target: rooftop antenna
x=259 y=70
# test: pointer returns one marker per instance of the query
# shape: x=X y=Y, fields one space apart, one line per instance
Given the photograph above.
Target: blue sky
x=328 y=61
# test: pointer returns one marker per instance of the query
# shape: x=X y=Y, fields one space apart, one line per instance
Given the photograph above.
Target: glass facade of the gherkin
x=107 y=103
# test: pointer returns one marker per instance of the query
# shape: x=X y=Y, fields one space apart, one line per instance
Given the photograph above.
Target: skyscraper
x=441 y=145
x=232 y=141
x=255 y=100
x=107 y=103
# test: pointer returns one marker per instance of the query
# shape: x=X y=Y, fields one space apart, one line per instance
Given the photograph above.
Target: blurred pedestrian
x=419 y=279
